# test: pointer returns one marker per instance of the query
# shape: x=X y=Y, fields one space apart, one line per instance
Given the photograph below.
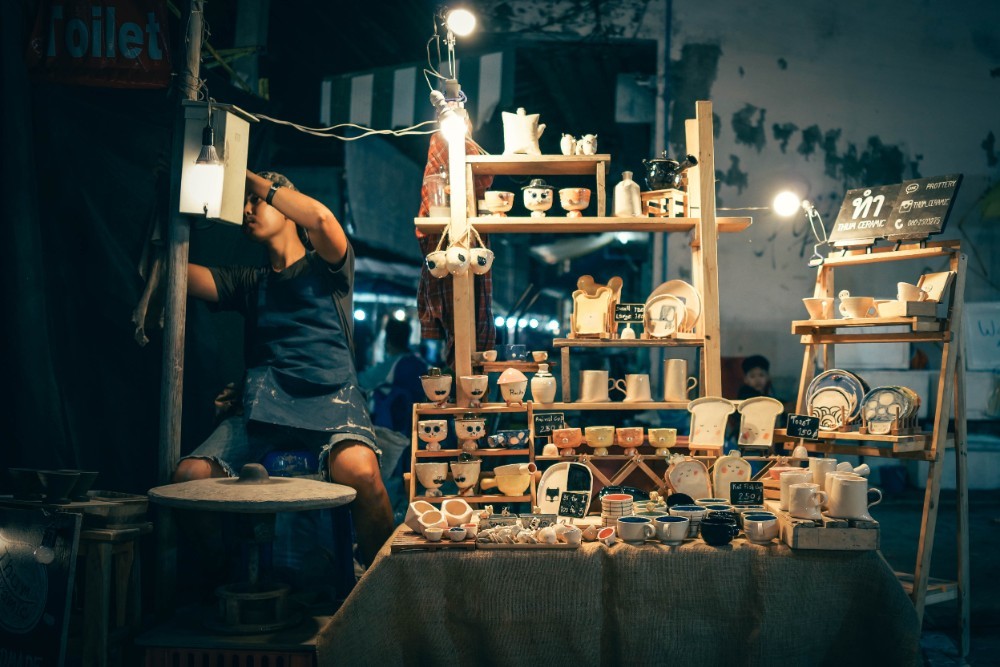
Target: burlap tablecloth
x=742 y=604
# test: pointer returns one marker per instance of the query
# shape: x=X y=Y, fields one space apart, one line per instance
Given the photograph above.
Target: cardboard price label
x=746 y=493
x=801 y=426
x=629 y=312
x=546 y=422
x=574 y=504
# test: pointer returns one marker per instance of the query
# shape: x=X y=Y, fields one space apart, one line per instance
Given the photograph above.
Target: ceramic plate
x=883 y=404
x=689 y=477
x=686 y=293
x=757 y=416
x=832 y=405
x=851 y=384
x=659 y=322
x=708 y=420
x=729 y=469
x=565 y=477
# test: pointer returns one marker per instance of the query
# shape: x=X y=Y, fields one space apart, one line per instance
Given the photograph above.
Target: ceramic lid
x=512 y=375
x=538 y=183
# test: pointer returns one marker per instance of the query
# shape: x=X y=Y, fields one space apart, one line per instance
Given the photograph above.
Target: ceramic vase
x=627 y=202
x=543 y=385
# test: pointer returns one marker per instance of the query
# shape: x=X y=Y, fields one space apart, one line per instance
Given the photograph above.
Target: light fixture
x=451 y=117
x=400 y=314
x=499 y=320
x=213 y=175
x=360 y=315
x=533 y=323
x=787 y=203
x=460 y=21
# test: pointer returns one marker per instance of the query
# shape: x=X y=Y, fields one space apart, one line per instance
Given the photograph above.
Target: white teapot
x=521 y=132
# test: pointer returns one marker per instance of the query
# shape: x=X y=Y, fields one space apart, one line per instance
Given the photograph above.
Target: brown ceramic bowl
x=57 y=485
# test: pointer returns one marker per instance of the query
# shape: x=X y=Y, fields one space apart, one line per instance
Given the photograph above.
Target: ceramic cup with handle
x=635 y=529
x=805 y=500
x=635 y=387
x=849 y=497
x=820 y=468
x=787 y=479
x=672 y=530
x=820 y=308
x=676 y=383
x=760 y=528
x=594 y=386
x=857 y=306
x=910 y=292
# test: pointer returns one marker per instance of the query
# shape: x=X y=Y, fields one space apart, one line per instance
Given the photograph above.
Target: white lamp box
x=217 y=191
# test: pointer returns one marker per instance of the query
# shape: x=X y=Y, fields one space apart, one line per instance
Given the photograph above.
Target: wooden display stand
x=699 y=204
x=819 y=336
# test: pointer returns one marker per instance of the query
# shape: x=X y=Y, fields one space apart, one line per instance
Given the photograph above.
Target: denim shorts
x=236 y=442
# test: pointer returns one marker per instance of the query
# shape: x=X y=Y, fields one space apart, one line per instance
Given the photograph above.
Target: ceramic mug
x=820 y=308
x=635 y=387
x=635 y=529
x=819 y=468
x=693 y=512
x=629 y=436
x=662 y=437
x=594 y=386
x=805 y=500
x=437 y=263
x=672 y=530
x=786 y=480
x=718 y=531
x=849 y=498
x=481 y=261
x=676 y=383
x=458 y=259
x=567 y=438
x=760 y=528
x=909 y=292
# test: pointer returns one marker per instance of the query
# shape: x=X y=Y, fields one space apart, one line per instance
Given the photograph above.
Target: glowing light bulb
x=786 y=203
x=461 y=22
x=499 y=320
x=400 y=314
x=453 y=126
x=360 y=315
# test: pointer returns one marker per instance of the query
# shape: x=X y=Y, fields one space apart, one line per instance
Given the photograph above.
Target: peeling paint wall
x=829 y=97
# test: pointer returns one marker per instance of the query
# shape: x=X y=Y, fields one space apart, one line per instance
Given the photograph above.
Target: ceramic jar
x=627 y=202
x=543 y=385
x=513 y=386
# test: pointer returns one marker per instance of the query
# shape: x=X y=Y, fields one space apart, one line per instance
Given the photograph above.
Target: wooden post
x=178 y=238
x=708 y=234
x=463 y=300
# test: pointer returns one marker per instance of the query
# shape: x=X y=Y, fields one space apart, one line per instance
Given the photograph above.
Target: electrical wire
x=327 y=132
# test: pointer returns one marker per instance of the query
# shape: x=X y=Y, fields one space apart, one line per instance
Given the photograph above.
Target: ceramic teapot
x=663 y=173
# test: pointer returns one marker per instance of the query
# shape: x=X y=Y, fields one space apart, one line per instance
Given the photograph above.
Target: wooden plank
x=901 y=337
x=626 y=342
x=827 y=534
x=501 y=366
x=860 y=450
x=558 y=546
x=463 y=303
x=602 y=190
x=633 y=407
x=934 y=249
x=827 y=326
x=919 y=438
x=454 y=453
x=962 y=488
x=404 y=541
x=452 y=409
x=536 y=165
x=478 y=499
x=556 y=224
x=707 y=232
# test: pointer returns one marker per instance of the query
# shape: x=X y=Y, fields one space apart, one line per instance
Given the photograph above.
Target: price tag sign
x=864 y=216
x=546 y=422
x=922 y=207
x=629 y=312
x=574 y=504
x=746 y=493
x=800 y=426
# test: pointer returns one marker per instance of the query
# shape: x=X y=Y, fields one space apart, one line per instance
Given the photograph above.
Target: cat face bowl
x=498 y=203
x=574 y=200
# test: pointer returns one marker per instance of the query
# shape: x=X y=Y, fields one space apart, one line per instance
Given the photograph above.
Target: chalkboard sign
x=864 y=216
x=922 y=207
x=574 y=504
x=629 y=312
x=546 y=422
x=746 y=493
x=800 y=426
x=37 y=565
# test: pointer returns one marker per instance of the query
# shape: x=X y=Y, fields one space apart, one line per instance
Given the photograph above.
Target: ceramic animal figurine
x=499 y=202
x=436 y=386
x=538 y=197
x=587 y=145
x=567 y=144
x=521 y=132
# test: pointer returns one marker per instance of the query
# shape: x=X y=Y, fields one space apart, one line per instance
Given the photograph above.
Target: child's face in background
x=757 y=378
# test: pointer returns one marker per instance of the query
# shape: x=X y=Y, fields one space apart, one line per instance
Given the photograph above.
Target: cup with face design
x=457 y=260
x=437 y=386
x=499 y=202
x=538 y=197
x=630 y=438
x=567 y=439
x=600 y=438
x=469 y=430
x=475 y=386
x=437 y=263
x=432 y=432
x=431 y=476
x=482 y=260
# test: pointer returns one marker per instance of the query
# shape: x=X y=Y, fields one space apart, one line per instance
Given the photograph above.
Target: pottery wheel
x=253 y=492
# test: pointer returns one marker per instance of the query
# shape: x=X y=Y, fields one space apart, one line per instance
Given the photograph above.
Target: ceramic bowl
x=481 y=260
x=57 y=485
x=25 y=483
x=456 y=511
x=436 y=387
x=514 y=438
x=83 y=483
x=437 y=263
x=496 y=441
x=433 y=533
x=705 y=502
x=413 y=513
x=432 y=519
x=456 y=534
x=513 y=485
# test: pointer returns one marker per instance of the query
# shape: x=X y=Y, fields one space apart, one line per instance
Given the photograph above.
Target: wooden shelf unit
x=819 y=338
x=555 y=224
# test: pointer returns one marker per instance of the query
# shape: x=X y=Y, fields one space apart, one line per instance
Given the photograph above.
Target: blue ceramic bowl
x=514 y=438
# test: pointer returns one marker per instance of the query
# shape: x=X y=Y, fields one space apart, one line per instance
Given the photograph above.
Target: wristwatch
x=270 y=193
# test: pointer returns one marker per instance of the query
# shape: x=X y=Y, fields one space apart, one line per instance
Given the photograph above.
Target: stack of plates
x=615 y=505
x=836 y=397
x=888 y=404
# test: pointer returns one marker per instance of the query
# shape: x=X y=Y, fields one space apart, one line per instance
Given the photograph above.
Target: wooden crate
x=407 y=541
x=827 y=534
x=664 y=203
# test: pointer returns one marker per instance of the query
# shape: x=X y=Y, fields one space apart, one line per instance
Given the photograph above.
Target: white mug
x=676 y=383
x=849 y=498
x=805 y=500
x=819 y=469
x=635 y=387
x=909 y=292
x=635 y=529
x=830 y=477
x=594 y=386
x=787 y=479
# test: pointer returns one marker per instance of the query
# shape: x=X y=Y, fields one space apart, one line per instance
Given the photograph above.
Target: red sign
x=116 y=43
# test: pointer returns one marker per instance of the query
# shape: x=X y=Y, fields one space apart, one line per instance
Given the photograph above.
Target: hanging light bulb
x=786 y=203
x=460 y=21
x=451 y=119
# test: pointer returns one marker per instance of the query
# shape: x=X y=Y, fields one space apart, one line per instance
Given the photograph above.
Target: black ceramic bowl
x=83 y=483
x=718 y=531
x=679 y=499
x=25 y=484
x=57 y=485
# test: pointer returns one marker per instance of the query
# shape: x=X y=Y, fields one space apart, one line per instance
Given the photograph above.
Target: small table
x=649 y=604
